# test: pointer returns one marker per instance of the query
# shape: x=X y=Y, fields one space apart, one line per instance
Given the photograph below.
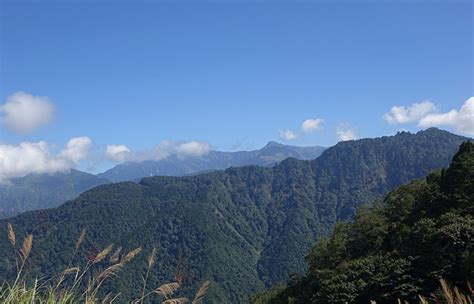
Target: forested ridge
x=242 y=228
x=397 y=249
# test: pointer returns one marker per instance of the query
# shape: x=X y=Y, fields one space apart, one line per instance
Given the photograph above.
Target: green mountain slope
x=397 y=249
x=242 y=228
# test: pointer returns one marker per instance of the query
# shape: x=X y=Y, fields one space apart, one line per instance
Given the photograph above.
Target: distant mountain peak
x=273 y=144
x=432 y=130
x=440 y=133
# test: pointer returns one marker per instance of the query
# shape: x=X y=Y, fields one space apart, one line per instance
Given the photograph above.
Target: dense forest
x=243 y=229
x=396 y=249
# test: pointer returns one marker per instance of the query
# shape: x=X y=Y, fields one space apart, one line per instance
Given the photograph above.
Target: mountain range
x=242 y=228
x=174 y=165
x=40 y=191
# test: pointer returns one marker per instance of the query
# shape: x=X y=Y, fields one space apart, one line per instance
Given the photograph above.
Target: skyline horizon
x=97 y=171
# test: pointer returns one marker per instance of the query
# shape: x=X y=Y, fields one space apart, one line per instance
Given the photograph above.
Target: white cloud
x=192 y=148
x=413 y=113
x=461 y=120
x=168 y=148
x=161 y=151
x=287 y=134
x=36 y=157
x=344 y=132
x=117 y=153
x=23 y=113
x=311 y=125
x=77 y=148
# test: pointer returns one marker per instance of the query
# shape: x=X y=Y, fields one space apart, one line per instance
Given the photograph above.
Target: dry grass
x=166 y=290
x=26 y=248
x=452 y=295
x=11 y=234
x=201 y=293
x=131 y=255
x=81 y=238
x=101 y=255
x=82 y=284
x=116 y=256
x=176 y=301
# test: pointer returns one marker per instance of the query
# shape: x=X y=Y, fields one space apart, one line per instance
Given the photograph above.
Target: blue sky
x=233 y=73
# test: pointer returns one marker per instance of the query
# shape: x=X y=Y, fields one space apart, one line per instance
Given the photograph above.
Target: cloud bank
x=426 y=114
x=461 y=120
x=23 y=113
x=117 y=153
x=287 y=134
x=311 y=125
x=402 y=114
x=36 y=157
x=165 y=149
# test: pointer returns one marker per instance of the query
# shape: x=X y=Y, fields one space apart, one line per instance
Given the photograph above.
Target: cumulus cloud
x=413 y=113
x=181 y=149
x=36 y=157
x=161 y=151
x=461 y=120
x=117 y=153
x=344 y=132
x=311 y=125
x=192 y=148
x=287 y=134
x=426 y=114
x=23 y=113
x=77 y=148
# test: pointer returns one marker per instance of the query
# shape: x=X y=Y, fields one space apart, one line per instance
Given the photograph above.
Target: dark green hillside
x=242 y=228
x=422 y=232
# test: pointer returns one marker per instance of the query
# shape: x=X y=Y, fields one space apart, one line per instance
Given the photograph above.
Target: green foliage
x=243 y=229
x=398 y=249
x=269 y=296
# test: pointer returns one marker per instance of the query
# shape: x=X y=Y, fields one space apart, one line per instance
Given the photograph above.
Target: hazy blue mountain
x=243 y=228
x=6 y=214
x=39 y=191
x=271 y=154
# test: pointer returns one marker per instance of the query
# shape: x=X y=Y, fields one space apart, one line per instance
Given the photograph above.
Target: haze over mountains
x=40 y=191
x=242 y=228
